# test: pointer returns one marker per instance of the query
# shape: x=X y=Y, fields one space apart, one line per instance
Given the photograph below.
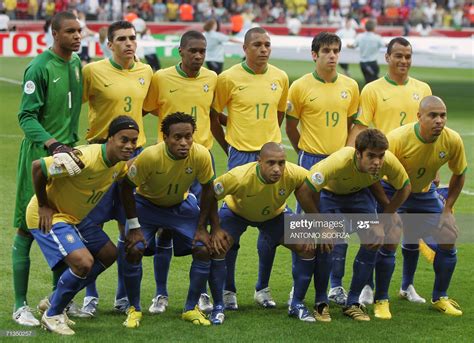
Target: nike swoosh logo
x=159 y=173
x=107 y=85
x=311 y=100
x=56 y=80
x=242 y=88
x=406 y=156
x=90 y=178
x=385 y=99
x=345 y=178
x=173 y=90
x=250 y=196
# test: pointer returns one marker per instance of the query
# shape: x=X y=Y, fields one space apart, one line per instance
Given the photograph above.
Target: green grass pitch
x=410 y=322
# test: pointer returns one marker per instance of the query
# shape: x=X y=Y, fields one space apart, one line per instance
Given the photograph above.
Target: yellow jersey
x=172 y=91
x=165 y=180
x=387 y=105
x=248 y=195
x=75 y=196
x=422 y=160
x=252 y=102
x=113 y=91
x=322 y=109
x=339 y=174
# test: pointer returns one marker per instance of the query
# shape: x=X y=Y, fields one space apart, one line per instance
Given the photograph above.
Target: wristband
x=133 y=223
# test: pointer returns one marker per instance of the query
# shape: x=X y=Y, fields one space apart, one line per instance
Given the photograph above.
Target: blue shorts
x=271 y=231
x=181 y=219
x=196 y=187
x=359 y=202
x=307 y=161
x=110 y=206
x=428 y=202
x=65 y=238
x=239 y=158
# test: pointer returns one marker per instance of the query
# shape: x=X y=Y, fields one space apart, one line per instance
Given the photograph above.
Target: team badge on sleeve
x=289 y=106
x=55 y=169
x=317 y=178
x=218 y=188
x=29 y=87
x=132 y=172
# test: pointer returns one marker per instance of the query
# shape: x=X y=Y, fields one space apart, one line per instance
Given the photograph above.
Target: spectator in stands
x=203 y=11
x=4 y=22
x=237 y=22
x=146 y=10
x=172 y=10
x=346 y=33
x=294 y=25
x=10 y=8
x=159 y=10
x=186 y=11
x=103 y=42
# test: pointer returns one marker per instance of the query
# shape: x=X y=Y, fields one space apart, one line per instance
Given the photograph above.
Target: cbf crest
x=141 y=81
x=442 y=154
x=282 y=191
x=344 y=95
x=205 y=88
x=273 y=86
x=416 y=96
x=188 y=170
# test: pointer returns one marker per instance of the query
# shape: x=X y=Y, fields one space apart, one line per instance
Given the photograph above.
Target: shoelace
x=454 y=303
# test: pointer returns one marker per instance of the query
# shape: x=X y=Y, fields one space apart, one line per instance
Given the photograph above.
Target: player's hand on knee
x=220 y=241
x=45 y=214
x=203 y=236
x=376 y=237
x=135 y=243
x=448 y=222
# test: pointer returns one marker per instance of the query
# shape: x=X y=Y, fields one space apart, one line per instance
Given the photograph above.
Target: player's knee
x=302 y=252
x=83 y=265
x=447 y=246
x=446 y=237
x=108 y=254
x=390 y=247
x=372 y=247
x=201 y=253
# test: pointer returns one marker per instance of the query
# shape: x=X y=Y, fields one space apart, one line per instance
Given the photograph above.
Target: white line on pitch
x=15 y=82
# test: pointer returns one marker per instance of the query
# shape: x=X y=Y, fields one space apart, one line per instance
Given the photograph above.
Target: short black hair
x=118 y=25
x=58 y=18
x=188 y=35
x=176 y=118
x=400 y=40
x=371 y=139
x=249 y=33
x=325 y=38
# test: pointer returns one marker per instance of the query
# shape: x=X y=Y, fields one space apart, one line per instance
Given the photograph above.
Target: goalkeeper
x=49 y=117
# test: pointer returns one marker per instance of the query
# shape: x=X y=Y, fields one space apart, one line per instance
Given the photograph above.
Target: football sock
x=198 y=276
x=338 y=264
x=230 y=261
x=443 y=265
x=266 y=256
x=161 y=265
x=91 y=290
x=322 y=270
x=132 y=277
x=384 y=267
x=362 y=268
x=216 y=280
x=121 y=292
x=57 y=272
x=410 y=254
x=302 y=274
x=21 y=268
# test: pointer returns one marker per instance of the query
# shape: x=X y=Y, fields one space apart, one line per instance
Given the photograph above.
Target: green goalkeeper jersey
x=51 y=101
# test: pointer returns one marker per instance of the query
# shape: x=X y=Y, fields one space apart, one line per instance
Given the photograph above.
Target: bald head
x=255 y=30
x=432 y=117
x=271 y=148
x=431 y=101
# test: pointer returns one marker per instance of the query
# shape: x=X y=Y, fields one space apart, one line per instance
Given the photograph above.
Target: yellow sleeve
x=223 y=93
x=318 y=176
x=140 y=169
x=284 y=95
x=457 y=162
x=392 y=144
x=427 y=90
x=299 y=176
x=86 y=83
x=51 y=170
x=205 y=173
x=224 y=185
x=151 y=101
x=123 y=171
x=294 y=103
x=395 y=172
x=366 y=112
x=354 y=105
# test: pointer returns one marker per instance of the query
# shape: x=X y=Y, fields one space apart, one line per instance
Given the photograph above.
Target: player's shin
x=302 y=273
x=363 y=267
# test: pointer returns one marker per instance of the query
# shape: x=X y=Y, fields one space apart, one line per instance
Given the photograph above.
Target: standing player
x=388 y=103
x=112 y=86
x=62 y=201
x=255 y=94
x=186 y=87
x=49 y=117
x=255 y=194
x=163 y=174
x=423 y=147
x=325 y=102
x=341 y=183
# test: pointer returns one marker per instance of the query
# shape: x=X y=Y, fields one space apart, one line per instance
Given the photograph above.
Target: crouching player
x=423 y=147
x=255 y=195
x=162 y=175
x=341 y=183
x=62 y=201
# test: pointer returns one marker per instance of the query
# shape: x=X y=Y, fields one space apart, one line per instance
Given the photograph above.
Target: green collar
x=389 y=80
x=170 y=155
x=418 y=134
x=56 y=56
x=250 y=71
x=183 y=73
x=259 y=175
x=316 y=76
x=118 y=66
x=104 y=155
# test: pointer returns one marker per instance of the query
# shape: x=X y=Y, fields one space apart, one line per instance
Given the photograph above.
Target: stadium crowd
x=428 y=13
